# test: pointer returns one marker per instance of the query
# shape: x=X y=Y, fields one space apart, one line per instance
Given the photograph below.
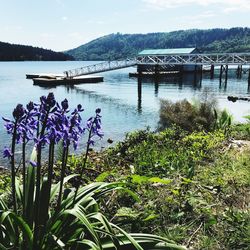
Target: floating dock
x=153 y=74
x=53 y=79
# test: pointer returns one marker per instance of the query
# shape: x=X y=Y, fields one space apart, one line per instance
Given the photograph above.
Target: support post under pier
x=226 y=75
x=239 y=72
x=249 y=78
x=212 y=72
x=221 y=71
x=139 y=92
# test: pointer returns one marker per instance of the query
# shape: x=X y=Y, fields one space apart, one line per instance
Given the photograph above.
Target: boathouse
x=143 y=68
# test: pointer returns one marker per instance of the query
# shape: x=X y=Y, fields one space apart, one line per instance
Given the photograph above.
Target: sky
x=65 y=24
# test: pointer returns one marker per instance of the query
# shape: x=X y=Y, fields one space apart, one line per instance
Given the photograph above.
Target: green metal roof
x=166 y=51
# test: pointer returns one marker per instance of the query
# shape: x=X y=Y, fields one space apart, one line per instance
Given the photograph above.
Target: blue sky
x=66 y=24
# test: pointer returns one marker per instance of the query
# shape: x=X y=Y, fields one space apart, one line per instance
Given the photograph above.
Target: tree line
x=118 y=46
x=14 y=52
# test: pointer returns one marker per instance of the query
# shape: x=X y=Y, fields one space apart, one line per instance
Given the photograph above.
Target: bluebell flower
x=18 y=112
x=98 y=111
x=30 y=106
x=65 y=104
x=33 y=163
x=7 y=153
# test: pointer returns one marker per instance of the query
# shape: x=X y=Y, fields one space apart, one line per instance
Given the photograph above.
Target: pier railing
x=100 y=67
x=196 y=59
x=167 y=60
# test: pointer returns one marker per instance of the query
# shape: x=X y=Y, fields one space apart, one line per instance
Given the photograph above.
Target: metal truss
x=196 y=59
x=167 y=60
x=100 y=67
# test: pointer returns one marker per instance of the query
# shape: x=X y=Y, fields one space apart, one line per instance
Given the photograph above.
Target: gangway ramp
x=100 y=67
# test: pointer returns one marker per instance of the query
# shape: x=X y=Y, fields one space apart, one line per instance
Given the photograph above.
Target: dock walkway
x=212 y=60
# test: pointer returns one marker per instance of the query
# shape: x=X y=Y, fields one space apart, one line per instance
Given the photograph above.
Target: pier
x=155 y=63
x=160 y=64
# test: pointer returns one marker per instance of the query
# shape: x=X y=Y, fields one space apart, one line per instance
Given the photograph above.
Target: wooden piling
x=195 y=75
x=239 y=71
x=212 y=72
x=139 y=91
x=156 y=86
x=221 y=72
x=139 y=71
x=249 y=79
x=226 y=75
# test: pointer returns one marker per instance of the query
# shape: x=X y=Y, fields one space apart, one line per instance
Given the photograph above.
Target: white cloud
x=201 y=16
x=64 y=18
x=229 y=5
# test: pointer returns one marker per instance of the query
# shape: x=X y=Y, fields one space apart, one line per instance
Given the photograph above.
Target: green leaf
x=27 y=232
x=139 y=179
x=18 y=190
x=78 y=212
x=151 y=217
x=29 y=196
x=159 y=180
x=87 y=245
x=55 y=188
x=103 y=176
x=127 y=212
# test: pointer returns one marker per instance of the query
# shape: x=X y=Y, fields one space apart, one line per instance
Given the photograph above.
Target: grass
x=193 y=187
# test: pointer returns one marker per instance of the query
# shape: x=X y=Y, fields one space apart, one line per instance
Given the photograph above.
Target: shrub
x=190 y=117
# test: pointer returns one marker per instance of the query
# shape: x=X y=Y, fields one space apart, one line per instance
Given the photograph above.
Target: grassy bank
x=193 y=187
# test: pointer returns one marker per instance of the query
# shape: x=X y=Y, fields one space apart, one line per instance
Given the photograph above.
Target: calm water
x=123 y=109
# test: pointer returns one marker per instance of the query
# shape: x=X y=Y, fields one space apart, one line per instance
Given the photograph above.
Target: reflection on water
x=127 y=103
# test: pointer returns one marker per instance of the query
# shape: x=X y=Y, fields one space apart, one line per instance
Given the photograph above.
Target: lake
x=123 y=110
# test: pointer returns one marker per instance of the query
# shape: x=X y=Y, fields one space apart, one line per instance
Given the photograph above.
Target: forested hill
x=117 y=46
x=13 y=52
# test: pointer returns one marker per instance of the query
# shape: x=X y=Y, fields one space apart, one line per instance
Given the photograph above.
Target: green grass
x=193 y=187
x=199 y=195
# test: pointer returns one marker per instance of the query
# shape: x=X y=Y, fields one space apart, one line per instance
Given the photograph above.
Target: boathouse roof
x=167 y=51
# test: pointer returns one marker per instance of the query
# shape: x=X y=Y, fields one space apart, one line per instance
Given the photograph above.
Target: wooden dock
x=153 y=74
x=53 y=79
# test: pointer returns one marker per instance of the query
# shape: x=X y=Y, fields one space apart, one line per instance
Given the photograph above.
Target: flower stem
x=38 y=184
x=84 y=163
x=64 y=162
x=24 y=176
x=13 y=172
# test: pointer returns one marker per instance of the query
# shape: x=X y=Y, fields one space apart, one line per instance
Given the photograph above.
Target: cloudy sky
x=66 y=24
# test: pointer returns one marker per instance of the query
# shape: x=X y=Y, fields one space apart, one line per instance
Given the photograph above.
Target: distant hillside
x=14 y=52
x=117 y=46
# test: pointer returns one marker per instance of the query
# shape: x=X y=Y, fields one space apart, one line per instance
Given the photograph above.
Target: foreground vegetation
x=188 y=183
x=41 y=212
x=193 y=188
x=192 y=178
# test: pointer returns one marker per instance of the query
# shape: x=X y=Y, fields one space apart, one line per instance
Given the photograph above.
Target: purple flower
x=50 y=123
x=7 y=153
x=79 y=108
x=33 y=163
x=18 y=111
x=98 y=111
x=30 y=106
x=50 y=101
x=65 y=104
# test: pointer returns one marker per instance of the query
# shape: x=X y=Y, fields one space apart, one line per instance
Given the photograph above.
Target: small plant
x=43 y=214
x=188 y=116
